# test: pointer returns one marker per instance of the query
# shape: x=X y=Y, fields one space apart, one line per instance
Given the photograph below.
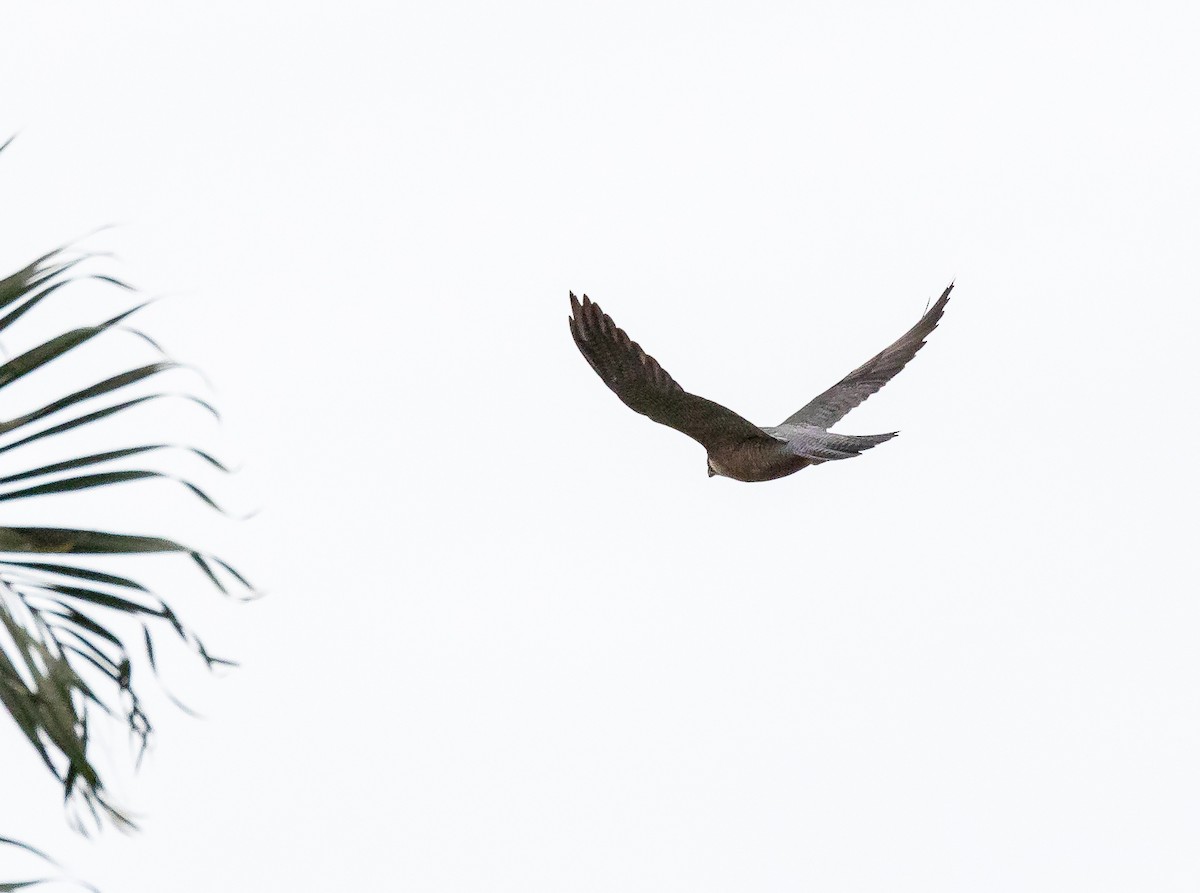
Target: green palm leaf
x=7 y=886
x=65 y=660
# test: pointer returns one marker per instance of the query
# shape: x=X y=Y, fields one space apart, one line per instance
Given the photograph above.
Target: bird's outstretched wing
x=645 y=387
x=868 y=378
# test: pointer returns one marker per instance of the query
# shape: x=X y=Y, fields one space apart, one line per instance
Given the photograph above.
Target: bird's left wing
x=868 y=378
x=645 y=387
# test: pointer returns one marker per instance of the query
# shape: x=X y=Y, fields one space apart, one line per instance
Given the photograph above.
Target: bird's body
x=737 y=448
x=755 y=460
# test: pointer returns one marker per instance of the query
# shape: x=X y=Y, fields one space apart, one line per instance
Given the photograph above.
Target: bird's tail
x=821 y=445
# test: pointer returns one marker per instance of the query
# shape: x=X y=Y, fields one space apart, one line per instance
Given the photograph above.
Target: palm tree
x=67 y=653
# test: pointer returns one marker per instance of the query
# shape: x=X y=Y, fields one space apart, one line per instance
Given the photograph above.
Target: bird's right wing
x=868 y=378
x=645 y=387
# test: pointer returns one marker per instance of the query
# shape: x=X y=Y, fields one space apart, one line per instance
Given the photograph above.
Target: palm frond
x=64 y=660
x=41 y=858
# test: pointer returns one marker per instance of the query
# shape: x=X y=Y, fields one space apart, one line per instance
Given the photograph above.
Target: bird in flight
x=737 y=448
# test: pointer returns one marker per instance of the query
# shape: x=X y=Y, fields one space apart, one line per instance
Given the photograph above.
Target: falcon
x=737 y=448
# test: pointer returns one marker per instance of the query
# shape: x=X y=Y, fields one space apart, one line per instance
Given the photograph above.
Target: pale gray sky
x=516 y=639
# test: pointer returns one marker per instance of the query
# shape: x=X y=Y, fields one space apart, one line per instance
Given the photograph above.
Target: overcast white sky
x=516 y=639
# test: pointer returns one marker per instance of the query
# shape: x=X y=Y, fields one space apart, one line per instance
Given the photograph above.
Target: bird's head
x=712 y=472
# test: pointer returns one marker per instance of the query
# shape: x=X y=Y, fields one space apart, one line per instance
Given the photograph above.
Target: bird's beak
x=711 y=473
